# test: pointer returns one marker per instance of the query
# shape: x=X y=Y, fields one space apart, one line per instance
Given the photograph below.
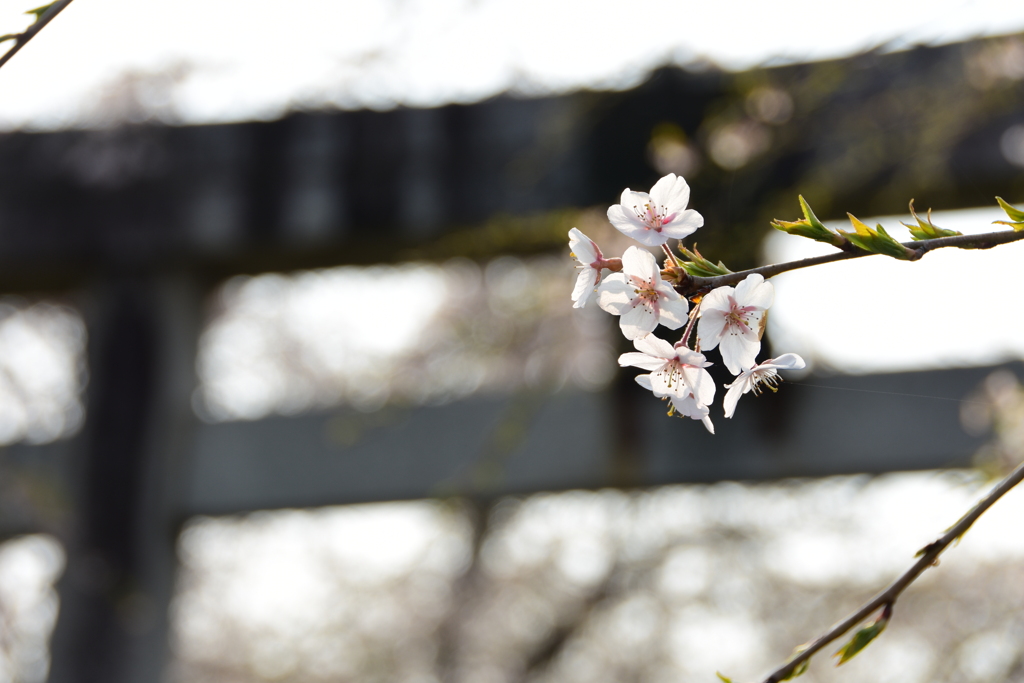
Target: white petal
x=707 y=423
x=615 y=294
x=754 y=291
x=685 y=223
x=710 y=327
x=718 y=299
x=582 y=246
x=691 y=357
x=672 y=192
x=690 y=408
x=585 y=284
x=647 y=237
x=655 y=346
x=634 y=202
x=640 y=263
x=622 y=218
x=701 y=383
x=644 y=381
x=738 y=352
x=642 y=361
x=672 y=313
x=638 y=321
x=634 y=229
x=789 y=361
x=732 y=397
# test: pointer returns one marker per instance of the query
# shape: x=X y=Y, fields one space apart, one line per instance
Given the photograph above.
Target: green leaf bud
x=698 y=266
x=877 y=241
x=925 y=229
x=862 y=638
x=1016 y=215
x=809 y=227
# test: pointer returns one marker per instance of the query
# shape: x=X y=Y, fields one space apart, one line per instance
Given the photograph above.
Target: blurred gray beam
x=487 y=446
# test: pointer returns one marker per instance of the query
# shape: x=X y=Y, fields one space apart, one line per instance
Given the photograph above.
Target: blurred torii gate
x=138 y=223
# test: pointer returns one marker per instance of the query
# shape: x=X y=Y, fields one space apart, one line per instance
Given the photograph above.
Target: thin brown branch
x=693 y=284
x=30 y=33
x=929 y=554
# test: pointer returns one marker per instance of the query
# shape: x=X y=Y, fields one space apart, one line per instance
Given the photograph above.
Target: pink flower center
x=674 y=373
x=644 y=290
x=739 y=316
x=653 y=216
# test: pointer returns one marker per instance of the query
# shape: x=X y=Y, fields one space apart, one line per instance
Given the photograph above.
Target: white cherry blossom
x=639 y=296
x=764 y=374
x=734 y=318
x=687 y=405
x=677 y=373
x=653 y=218
x=591 y=260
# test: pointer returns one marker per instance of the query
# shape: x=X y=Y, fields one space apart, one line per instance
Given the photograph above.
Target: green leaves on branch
x=877 y=241
x=809 y=227
x=1016 y=215
x=698 y=266
x=862 y=638
x=40 y=11
x=925 y=229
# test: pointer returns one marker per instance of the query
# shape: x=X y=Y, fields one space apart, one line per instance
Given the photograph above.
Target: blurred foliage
x=663 y=585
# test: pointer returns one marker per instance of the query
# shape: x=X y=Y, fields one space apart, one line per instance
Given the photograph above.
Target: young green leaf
x=1016 y=215
x=724 y=679
x=862 y=638
x=699 y=266
x=800 y=670
x=40 y=11
x=925 y=229
x=877 y=241
x=809 y=227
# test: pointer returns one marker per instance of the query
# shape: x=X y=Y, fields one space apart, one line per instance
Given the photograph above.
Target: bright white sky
x=952 y=308
x=253 y=58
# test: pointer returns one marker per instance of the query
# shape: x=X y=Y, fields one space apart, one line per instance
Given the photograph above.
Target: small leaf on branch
x=40 y=11
x=877 y=241
x=9 y=36
x=1016 y=215
x=698 y=266
x=724 y=679
x=925 y=229
x=800 y=668
x=862 y=638
x=809 y=227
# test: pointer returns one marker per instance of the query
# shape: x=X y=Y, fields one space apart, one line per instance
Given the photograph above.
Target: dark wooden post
x=112 y=626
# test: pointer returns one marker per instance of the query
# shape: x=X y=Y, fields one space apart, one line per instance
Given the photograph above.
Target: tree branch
x=929 y=554
x=691 y=284
x=29 y=33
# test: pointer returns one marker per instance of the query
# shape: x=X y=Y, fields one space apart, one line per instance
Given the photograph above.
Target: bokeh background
x=291 y=388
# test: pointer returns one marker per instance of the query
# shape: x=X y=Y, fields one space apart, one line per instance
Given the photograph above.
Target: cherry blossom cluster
x=641 y=293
